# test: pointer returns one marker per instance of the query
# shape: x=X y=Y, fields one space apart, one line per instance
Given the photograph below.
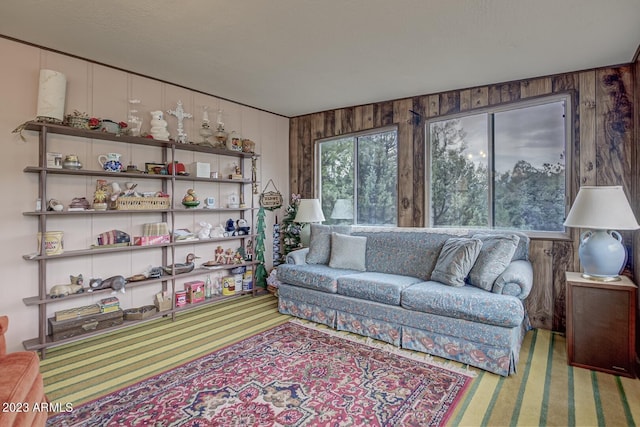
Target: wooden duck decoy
x=180 y=268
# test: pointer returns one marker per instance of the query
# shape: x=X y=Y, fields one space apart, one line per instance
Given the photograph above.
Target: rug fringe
x=373 y=343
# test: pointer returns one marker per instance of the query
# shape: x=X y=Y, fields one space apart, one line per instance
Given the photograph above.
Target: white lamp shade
x=343 y=209
x=309 y=210
x=602 y=208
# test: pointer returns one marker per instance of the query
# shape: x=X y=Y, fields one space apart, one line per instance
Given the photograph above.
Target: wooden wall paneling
x=363 y=117
x=465 y=100
x=539 y=304
x=614 y=123
x=294 y=165
x=433 y=109
x=304 y=148
x=563 y=260
x=419 y=170
x=329 y=123
x=346 y=120
x=402 y=116
x=494 y=94
x=564 y=82
x=449 y=103
x=535 y=87
x=317 y=132
x=383 y=114
x=479 y=97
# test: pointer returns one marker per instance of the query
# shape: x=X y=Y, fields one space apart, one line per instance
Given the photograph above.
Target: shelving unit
x=168 y=257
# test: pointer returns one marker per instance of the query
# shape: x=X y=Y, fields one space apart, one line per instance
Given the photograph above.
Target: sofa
x=457 y=294
x=21 y=387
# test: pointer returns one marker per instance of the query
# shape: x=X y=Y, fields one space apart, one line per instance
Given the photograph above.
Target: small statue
x=158 y=126
x=75 y=287
x=219 y=255
x=237 y=258
x=228 y=256
x=205 y=230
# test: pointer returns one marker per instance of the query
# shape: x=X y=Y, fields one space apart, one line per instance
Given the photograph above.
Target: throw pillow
x=495 y=256
x=319 y=244
x=455 y=260
x=348 y=252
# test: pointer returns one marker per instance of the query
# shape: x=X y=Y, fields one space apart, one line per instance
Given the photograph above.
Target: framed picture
x=155 y=168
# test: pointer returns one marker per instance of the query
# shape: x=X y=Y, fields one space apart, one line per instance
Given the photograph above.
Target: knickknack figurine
x=180 y=115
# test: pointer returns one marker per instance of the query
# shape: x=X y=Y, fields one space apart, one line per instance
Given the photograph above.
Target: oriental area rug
x=290 y=375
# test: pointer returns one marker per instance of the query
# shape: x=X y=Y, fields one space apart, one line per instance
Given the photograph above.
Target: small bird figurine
x=180 y=268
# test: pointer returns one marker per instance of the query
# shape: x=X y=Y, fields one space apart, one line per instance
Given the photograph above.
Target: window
x=502 y=168
x=359 y=174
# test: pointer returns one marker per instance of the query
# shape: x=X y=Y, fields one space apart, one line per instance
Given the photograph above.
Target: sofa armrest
x=516 y=280
x=4 y=325
x=298 y=256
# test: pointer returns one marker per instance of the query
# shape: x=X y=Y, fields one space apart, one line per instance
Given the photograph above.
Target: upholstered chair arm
x=4 y=325
x=516 y=280
x=298 y=256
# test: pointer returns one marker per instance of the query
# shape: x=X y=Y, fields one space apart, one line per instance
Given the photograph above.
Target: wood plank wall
x=602 y=154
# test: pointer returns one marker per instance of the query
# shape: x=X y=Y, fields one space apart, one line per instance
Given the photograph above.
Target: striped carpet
x=546 y=391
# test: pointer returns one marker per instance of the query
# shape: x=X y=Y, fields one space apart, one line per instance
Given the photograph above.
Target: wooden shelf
x=168 y=255
x=35 y=344
x=95 y=134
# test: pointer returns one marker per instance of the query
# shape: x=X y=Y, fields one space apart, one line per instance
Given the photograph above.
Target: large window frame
x=357 y=136
x=490 y=112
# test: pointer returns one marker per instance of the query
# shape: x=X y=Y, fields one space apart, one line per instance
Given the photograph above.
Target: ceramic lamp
x=601 y=209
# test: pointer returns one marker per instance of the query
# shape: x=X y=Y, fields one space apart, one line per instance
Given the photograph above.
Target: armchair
x=21 y=386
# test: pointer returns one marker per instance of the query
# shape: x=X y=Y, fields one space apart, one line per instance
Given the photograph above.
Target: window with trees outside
x=502 y=168
x=358 y=178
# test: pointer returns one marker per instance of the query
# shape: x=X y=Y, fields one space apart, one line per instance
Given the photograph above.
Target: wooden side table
x=601 y=324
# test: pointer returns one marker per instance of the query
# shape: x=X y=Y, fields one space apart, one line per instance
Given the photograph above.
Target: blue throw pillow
x=457 y=256
x=495 y=256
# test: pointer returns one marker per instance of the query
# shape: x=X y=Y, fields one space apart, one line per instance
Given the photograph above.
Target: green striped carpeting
x=545 y=391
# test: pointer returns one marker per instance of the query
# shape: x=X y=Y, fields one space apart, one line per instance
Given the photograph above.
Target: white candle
x=51 y=94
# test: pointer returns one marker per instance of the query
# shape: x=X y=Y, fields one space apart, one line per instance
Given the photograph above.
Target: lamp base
x=602 y=254
x=601 y=278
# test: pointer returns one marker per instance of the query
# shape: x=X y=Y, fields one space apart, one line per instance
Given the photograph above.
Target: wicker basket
x=142 y=203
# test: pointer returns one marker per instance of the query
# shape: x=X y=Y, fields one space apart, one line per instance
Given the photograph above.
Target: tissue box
x=201 y=170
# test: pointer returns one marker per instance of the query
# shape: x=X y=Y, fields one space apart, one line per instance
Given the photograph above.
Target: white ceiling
x=294 y=57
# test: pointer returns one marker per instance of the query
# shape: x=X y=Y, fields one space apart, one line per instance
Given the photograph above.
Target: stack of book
x=107 y=305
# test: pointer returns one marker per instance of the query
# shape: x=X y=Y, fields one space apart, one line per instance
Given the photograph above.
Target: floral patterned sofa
x=452 y=293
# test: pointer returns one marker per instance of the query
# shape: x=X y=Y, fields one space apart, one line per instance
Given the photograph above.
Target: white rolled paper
x=51 y=95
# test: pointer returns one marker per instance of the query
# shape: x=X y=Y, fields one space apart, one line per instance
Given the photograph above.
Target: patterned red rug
x=291 y=375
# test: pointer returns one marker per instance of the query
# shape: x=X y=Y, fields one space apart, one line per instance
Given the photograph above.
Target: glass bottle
x=208 y=288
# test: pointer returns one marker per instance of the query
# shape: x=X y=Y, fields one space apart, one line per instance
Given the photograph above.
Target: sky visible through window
x=535 y=134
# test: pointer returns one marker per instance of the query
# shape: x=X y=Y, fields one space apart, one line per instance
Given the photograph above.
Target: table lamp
x=309 y=210
x=601 y=209
x=342 y=209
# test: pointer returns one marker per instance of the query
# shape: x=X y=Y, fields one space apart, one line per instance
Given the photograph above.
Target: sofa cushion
x=403 y=251
x=466 y=302
x=495 y=255
x=380 y=287
x=320 y=242
x=348 y=252
x=313 y=276
x=456 y=258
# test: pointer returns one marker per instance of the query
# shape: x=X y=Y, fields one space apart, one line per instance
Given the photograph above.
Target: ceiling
x=294 y=57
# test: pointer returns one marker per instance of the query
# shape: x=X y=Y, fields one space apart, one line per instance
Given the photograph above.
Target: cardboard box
x=200 y=169
x=151 y=240
x=195 y=291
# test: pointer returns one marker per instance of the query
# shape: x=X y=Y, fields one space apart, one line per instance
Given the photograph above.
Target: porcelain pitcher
x=110 y=162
